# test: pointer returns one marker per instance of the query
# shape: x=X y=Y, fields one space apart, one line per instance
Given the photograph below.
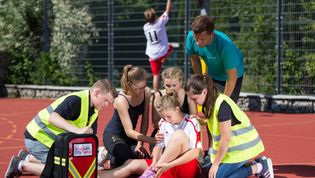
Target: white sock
x=20 y=165
x=259 y=167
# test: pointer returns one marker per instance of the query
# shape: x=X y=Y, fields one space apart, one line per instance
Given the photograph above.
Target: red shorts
x=187 y=170
x=157 y=63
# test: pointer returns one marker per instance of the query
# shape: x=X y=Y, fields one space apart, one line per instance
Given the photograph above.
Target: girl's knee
x=180 y=135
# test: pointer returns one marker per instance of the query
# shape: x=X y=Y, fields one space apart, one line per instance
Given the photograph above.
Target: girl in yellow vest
x=76 y=112
x=235 y=140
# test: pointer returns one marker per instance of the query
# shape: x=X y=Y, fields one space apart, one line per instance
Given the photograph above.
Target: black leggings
x=119 y=149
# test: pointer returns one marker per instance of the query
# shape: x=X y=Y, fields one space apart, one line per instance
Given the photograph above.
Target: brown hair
x=196 y=84
x=173 y=72
x=168 y=101
x=150 y=15
x=105 y=86
x=202 y=23
x=132 y=75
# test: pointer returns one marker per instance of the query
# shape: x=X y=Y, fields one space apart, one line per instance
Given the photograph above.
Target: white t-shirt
x=155 y=33
x=190 y=126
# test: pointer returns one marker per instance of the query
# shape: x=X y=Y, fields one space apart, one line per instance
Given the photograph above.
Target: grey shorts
x=37 y=149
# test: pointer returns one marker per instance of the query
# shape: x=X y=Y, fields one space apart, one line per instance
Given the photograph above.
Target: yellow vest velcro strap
x=43 y=126
x=63 y=161
x=235 y=132
x=240 y=147
x=73 y=170
x=91 y=169
x=57 y=160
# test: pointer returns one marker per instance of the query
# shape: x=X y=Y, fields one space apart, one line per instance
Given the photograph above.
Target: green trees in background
x=21 y=34
x=299 y=47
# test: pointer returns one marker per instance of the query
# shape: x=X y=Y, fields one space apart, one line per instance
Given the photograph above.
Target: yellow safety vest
x=245 y=142
x=46 y=133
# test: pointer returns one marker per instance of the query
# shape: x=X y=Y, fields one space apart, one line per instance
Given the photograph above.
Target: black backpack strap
x=49 y=166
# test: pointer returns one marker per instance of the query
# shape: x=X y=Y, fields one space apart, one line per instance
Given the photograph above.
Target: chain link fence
x=276 y=37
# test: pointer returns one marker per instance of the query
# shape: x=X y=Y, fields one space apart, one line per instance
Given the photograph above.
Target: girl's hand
x=161 y=168
x=159 y=137
x=200 y=120
x=213 y=171
x=141 y=152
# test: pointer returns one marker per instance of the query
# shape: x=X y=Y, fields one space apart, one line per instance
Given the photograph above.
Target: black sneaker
x=267 y=170
x=23 y=154
x=13 y=170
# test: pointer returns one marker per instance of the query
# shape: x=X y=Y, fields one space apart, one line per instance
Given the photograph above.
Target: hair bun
x=171 y=92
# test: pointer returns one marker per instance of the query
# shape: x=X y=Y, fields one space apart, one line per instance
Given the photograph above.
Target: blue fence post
x=110 y=35
x=279 y=46
x=187 y=16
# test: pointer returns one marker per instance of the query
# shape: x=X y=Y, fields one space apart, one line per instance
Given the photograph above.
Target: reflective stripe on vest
x=46 y=133
x=241 y=147
x=236 y=132
x=245 y=142
x=43 y=126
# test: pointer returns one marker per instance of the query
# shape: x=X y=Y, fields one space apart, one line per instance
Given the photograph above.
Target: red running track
x=289 y=138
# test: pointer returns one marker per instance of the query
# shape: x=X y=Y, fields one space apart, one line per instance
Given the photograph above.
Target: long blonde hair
x=132 y=75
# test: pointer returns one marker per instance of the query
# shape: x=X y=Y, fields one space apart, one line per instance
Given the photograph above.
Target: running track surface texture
x=289 y=139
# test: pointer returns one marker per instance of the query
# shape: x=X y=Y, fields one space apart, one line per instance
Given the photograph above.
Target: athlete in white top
x=190 y=126
x=158 y=48
x=178 y=151
x=155 y=33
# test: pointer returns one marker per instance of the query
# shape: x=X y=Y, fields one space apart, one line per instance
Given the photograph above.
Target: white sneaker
x=101 y=157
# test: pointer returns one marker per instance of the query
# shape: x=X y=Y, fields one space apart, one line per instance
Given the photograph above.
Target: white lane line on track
x=13 y=130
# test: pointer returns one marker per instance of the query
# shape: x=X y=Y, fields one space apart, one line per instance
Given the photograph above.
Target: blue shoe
x=267 y=170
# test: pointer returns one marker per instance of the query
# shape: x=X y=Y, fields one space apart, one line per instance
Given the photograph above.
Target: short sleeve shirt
x=70 y=109
x=190 y=126
x=225 y=113
x=155 y=33
x=221 y=55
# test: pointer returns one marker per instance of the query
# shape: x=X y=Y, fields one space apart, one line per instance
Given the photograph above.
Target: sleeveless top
x=115 y=126
x=185 y=107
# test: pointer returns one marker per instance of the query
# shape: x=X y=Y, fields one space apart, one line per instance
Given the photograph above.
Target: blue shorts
x=37 y=149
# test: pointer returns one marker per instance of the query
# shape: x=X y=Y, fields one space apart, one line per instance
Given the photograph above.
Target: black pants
x=237 y=89
x=119 y=149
